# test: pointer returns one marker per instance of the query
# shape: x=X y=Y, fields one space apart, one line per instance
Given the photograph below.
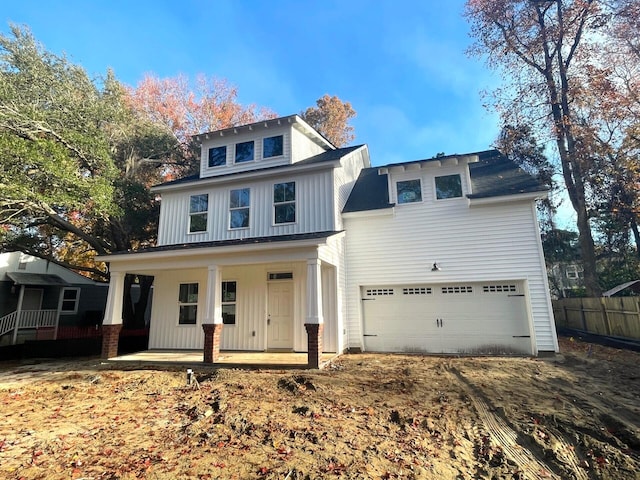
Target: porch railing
x=28 y=319
x=8 y=323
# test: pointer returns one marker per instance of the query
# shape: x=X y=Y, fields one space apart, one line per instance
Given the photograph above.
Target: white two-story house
x=284 y=242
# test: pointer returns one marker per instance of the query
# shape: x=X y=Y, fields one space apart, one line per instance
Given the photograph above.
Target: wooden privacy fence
x=612 y=316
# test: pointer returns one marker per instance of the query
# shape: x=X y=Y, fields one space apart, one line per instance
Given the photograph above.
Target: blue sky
x=401 y=64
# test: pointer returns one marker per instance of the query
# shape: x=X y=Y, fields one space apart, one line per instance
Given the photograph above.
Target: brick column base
x=314 y=344
x=110 y=339
x=212 y=333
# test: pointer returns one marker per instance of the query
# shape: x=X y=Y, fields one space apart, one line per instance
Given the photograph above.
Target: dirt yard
x=366 y=416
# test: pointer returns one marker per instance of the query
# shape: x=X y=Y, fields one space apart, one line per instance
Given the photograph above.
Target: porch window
x=239 y=208
x=284 y=202
x=217 y=156
x=198 y=208
x=244 y=152
x=448 y=186
x=409 y=191
x=272 y=146
x=229 y=303
x=70 y=300
x=188 y=303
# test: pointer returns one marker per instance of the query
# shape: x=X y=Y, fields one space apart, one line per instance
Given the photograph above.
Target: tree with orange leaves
x=331 y=118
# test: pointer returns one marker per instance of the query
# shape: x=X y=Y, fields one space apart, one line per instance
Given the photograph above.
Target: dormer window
x=244 y=152
x=448 y=186
x=409 y=191
x=217 y=156
x=272 y=146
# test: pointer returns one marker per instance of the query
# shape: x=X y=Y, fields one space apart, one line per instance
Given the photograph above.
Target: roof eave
x=525 y=196
x=294 y=120
x=213 y=250
x=250 y=174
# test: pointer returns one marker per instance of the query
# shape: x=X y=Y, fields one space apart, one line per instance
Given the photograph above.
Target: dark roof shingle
x=493 y=175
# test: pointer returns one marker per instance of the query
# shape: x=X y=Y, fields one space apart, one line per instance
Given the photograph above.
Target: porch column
x=314 y=320
x=14 y=338
x=212 y=324
x=112 y=322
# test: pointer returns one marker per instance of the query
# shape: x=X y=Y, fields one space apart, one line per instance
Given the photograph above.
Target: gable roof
x=324 y=157
x=493 y=175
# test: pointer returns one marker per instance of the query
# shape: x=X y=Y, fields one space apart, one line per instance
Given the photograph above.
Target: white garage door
x=468 y=318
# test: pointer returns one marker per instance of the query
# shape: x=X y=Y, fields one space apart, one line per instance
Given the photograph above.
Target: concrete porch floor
x=227 y=359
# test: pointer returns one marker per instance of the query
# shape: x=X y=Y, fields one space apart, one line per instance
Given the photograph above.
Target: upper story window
x=244 y=152
x=284 y=202
x=188 y=304
x=198 y=208
x=217 y=156
x=239 y=201
x=272 y=146
x=448 y=186
x=409 y=191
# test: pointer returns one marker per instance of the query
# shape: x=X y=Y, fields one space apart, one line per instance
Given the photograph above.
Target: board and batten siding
x=164 y=331
x=314 y=210
x=250 y=330
x=479 y=243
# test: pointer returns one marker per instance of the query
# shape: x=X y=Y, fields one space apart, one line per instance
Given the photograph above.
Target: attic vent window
x=498 y=288
x=272 y=146
x=374 y=292
x=217 y=156
x=416 y=291
x=448 y=186
x=463 y=289
x=281 y=276
x=409 y=191
x=244 y=152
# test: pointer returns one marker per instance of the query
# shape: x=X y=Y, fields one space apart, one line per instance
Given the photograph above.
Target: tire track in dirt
x=532 y=466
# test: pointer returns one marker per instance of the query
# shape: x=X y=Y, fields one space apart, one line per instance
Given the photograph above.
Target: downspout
x=18 y=315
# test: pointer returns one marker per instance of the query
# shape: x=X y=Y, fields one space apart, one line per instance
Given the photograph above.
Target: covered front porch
x=271 y=297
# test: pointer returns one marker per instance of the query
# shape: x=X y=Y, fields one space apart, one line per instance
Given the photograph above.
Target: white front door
x=280 y=315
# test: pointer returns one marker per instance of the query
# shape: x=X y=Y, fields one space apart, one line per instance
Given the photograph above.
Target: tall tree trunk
x=636 y=235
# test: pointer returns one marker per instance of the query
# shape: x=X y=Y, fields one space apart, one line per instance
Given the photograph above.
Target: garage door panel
x=456 y=318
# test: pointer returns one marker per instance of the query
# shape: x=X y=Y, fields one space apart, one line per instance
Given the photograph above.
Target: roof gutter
x=519 y=197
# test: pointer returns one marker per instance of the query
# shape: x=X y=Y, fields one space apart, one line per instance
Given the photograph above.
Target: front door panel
x=280 y=315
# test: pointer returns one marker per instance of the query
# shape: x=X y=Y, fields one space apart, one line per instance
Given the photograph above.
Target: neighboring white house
x=285 y=242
